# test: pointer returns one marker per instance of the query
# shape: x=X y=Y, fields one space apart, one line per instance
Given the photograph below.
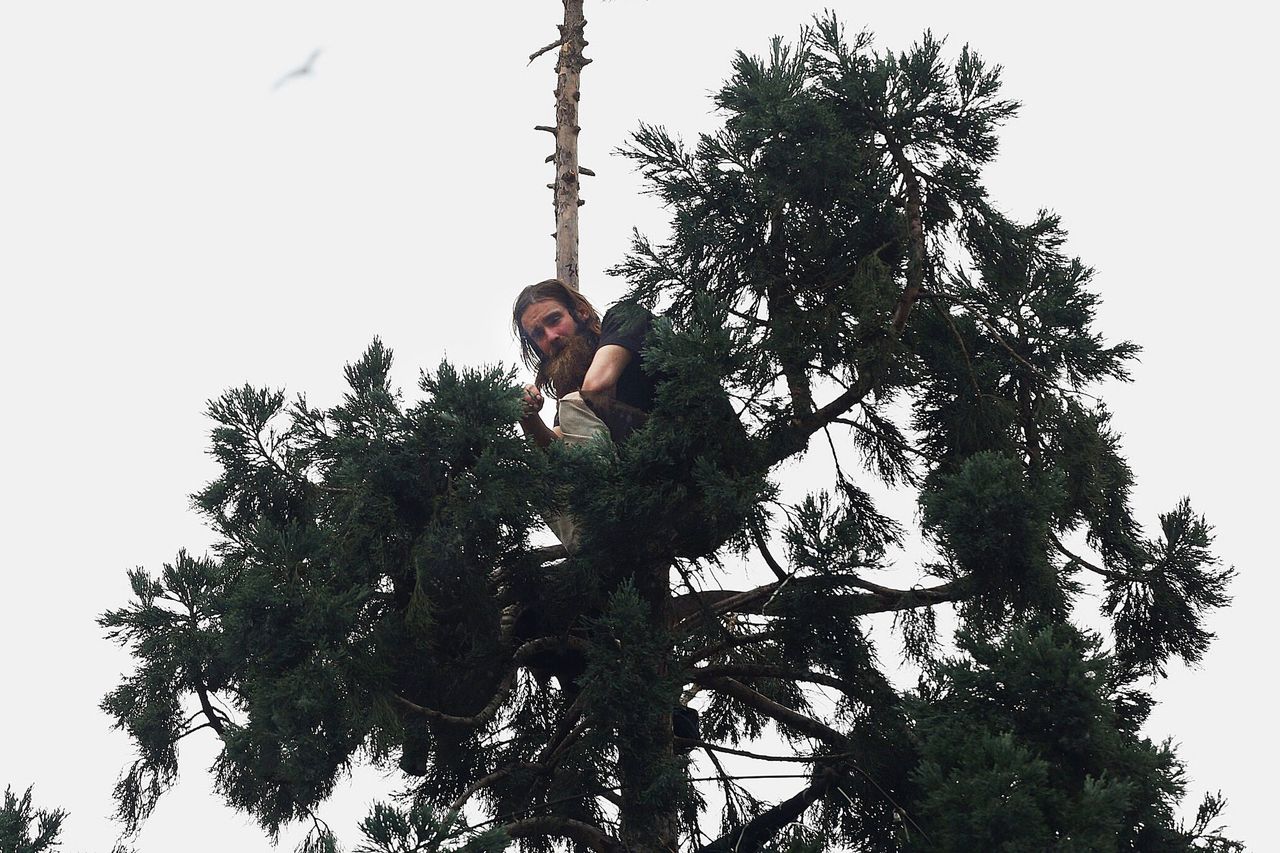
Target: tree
x=834 y=267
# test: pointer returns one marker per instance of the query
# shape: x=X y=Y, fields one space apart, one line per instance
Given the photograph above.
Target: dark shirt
x=627 y=325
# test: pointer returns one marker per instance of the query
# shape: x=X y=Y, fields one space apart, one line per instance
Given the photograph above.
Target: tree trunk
x=649 y=807
x=568 y=91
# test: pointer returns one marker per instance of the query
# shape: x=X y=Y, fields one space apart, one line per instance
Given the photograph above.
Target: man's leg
x=579 y=424
x=577 y=421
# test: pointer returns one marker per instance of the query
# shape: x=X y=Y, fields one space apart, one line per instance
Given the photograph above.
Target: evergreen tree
x=834 y=266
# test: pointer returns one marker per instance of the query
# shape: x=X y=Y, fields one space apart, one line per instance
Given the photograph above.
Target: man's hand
x=531 y=402
x=531 y=423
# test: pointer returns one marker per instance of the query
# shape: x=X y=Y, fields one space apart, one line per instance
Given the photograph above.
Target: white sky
x=169 y=227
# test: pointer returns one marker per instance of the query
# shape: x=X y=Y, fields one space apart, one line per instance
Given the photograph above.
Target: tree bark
x=646 y=751
x=569 y=67
x=916 y=267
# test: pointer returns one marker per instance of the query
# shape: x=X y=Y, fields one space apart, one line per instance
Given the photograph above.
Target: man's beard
x=568 y=368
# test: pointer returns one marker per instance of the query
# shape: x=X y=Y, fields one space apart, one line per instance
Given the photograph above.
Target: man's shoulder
x=626 y=323
x=626 y=313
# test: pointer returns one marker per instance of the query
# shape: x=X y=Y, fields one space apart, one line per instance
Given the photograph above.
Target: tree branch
x=704 y=675
x=547 y=49
x=768 y=556
x=792 y=437
x=729 y=645
x=915 y=230
x=585 y=834
x=876 y=599
x=544 y=644
x=484 y=782
x=752 y=835
x=216 y=719
x=777 y=711
x=1096 y=569
x=475 y=721
x=792 y=759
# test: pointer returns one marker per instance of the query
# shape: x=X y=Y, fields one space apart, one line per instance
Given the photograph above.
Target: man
x=593 y=367
x=595 y=370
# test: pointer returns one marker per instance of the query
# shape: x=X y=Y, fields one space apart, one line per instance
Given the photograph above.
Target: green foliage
x=1019 y=751
x=26 y=829
x=833 y=265
x=417 y=829
x=990 y=521
x=1159 y=608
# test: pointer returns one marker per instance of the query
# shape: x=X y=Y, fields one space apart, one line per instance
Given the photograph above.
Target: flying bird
x=303 y=70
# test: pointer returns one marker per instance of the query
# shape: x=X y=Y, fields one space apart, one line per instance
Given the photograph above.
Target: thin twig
x=540 y=51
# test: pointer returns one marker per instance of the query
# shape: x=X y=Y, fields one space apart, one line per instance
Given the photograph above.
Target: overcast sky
x=170 y=226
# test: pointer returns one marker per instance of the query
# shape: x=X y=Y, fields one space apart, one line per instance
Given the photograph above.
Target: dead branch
x=547 y=49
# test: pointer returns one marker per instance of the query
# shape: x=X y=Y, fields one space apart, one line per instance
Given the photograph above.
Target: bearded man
x=594 y=368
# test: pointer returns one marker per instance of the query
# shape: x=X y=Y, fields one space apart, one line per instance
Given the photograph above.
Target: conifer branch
x=704 y=675
x=591 y=837
x=549 y=644
x=763 y=547
x=734 y=792
x=964 y=351
x=777 y=711
x=474 y=721
x=482 y=783
x=545 y=761
x=192 y=731
x=1110 y=574
x=876 y=599
x=562 y=736
x=217 y=720
x=714 y=651
x=746 y=753
x=978 y=313
x=781 y=304
x=791 y=438
x=752 y=835
x=901 y=445
x=915 y=229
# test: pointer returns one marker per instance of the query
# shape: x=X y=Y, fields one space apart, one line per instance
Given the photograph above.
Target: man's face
x=566 y=345
x=549 y=325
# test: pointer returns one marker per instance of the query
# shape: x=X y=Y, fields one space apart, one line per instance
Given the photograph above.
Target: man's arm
x=531 y=423
x=599 y=390
x=601 y=381
x=537 y=430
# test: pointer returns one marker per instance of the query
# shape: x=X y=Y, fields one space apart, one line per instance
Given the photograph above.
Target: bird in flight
x=303 y=70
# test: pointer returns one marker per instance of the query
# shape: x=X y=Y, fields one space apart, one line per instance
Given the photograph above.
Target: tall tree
x=834 y=270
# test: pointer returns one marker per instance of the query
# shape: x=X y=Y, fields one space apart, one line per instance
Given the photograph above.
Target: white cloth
x=578 y=425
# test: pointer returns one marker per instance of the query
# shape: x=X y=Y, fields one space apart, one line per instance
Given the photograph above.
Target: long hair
x=575 y=303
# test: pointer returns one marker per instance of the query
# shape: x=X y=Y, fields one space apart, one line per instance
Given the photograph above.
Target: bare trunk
x=648 y=812
x=568 y=90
